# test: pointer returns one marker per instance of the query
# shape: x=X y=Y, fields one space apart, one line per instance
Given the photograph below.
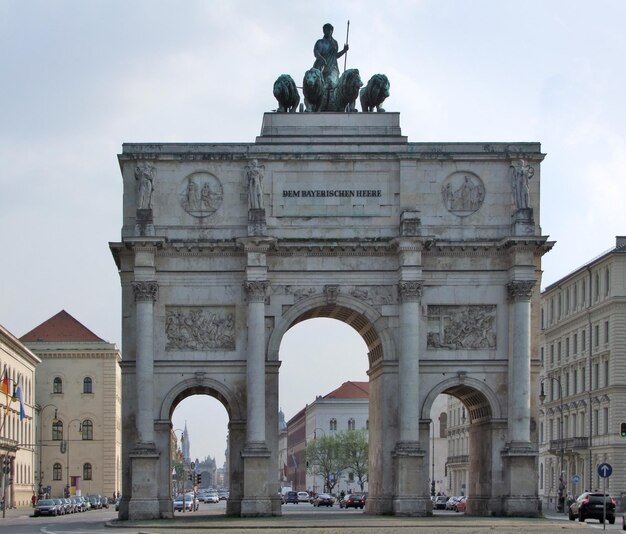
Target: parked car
x=323 y=499
x=352 y=500
x=224 y=494
x=212 y=497
x=303 y=496
x=61 y=506
x=459 y=506
x=105 y=502
x=440 y=502
x=46 y=507
x=291 y=497
x=591 y=506
x=451 y=502
x=94 y=500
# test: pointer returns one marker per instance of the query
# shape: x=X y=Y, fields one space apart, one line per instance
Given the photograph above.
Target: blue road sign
x=576 y=479
x=605 y=470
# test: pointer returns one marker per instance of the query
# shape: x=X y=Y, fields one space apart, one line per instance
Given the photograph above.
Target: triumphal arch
x=430 y=251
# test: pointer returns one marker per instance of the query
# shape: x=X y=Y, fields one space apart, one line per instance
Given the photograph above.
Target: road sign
x=605 y=470
x=576 y=479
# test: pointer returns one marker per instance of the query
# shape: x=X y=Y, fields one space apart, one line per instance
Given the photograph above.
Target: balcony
x=456 y=460
x=569 y=444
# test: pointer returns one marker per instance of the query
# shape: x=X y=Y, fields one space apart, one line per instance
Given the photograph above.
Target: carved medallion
x=198 y=328
x=462 y=327
x=463 y=193
x=200 y=194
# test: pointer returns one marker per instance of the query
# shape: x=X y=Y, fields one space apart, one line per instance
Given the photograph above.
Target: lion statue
x=374 y=93
x=313 y=90
x=343 y=97
x=286 y=93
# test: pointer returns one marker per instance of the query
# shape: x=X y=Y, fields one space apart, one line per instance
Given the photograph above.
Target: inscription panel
x=200 y=328
x=331 y=194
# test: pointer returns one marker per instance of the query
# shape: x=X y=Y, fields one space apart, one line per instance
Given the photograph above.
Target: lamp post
x=41 y=409
x=542 y=397
x=315 y=476
x=80 y=429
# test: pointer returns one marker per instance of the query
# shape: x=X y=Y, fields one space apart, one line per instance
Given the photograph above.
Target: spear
x=345 y=57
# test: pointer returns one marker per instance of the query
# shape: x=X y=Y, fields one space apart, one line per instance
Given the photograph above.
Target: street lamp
x=80 y=429
x=542 y=397
x=315 y=476
x=41 y=409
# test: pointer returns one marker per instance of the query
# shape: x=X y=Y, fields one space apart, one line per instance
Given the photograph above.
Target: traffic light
x=199 y=476
x=623 y=430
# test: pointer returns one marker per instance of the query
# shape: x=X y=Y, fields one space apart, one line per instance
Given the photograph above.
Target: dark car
x=352 y=500
x=96 y=503
x=47 y=507
x=323 y=499
x=291 y=497
x=591 y=506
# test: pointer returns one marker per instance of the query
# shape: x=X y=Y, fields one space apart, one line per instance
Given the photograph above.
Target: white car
x=212 y=496
x=303 y=496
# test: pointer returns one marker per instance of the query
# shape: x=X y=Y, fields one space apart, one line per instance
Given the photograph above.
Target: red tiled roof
x=61 y=327
x=350 y=390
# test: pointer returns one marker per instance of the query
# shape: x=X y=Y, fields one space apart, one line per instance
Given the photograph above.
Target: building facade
x=18 y=470
x=457 y=461
x=583 y=379
x=78 y=390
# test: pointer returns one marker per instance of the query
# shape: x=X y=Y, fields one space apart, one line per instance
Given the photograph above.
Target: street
x=297 y=518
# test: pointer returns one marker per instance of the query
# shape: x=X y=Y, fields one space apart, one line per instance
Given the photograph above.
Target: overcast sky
x=79 y=78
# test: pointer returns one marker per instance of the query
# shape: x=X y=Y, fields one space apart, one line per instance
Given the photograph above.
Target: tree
x=354 y=447
x=324 y=458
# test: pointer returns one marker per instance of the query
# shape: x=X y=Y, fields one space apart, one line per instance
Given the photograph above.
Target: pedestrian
x=34 y=499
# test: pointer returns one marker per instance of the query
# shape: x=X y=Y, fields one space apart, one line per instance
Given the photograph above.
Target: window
x=606 y=331
x=605 y=420
x=597 y=335
x=574 y=427
x=57 y=430
x=575 y=343
x=552 y=310
x=542 y=360
x=542 y=320
x=541 y=476
x=87 y=429
x=607 y=280
x=606 y=373
x=584 y=293
x=558 y=351
x=567 y=384
x=350 y=476
x=597 y=288
x=87 y=471
x=567 y=347
x=541 y=436
x=57 y=385
x=559 y=312
x=567 y=301
x=333 y=424
x=87 y=385
x=575 y=384
x=351 y=425
x=367 y=425
x=575 y=297
x=583 y=379
x=57 y=471
x=551 y=354
x=583 y=339
x=595 y=422
x=596 y=377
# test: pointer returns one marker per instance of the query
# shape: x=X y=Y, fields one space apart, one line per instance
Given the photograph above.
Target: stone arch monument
x=431 y=251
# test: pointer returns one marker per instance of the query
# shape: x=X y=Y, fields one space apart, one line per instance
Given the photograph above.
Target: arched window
x=333 y=424
x=351 y=425
x=57 y=430
x=57 y=471
x=87 y=471
x=87 y=429
x=87 y=385
x=57 y=385
x=367 y=425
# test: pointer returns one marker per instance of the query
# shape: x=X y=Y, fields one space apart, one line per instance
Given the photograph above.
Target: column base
x=412 y=498
x=144 y=502
x=520 y=497
x=257 y=493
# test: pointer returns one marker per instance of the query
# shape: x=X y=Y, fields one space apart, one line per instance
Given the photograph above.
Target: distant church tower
x=185 y=445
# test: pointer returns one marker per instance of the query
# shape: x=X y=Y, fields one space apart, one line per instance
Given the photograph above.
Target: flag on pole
x=4 y=386
x=17 y=395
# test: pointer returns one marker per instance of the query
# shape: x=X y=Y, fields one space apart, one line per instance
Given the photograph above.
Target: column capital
x=146 y=290
x=520 y=289
x=255 y=290
x=410 y=291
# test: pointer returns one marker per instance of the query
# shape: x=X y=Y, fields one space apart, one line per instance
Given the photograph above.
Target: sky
x=79 y=78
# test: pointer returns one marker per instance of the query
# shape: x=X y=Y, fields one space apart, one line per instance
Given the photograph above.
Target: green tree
x=324 y=458
x=354 y=447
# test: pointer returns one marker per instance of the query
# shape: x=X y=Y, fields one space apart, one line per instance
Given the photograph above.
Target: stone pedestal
x=144 y=224
x=256 y=500
x=256 y=222
x=411 y=468
x=522 y=222
x=520 y=481
x=144 y=502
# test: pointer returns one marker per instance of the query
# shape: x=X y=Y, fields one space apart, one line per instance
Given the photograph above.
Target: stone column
x=255 y=370
x=408 y=361
x=256 y=456
x=520 y=292
x=146 y=294
x=411 y=487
